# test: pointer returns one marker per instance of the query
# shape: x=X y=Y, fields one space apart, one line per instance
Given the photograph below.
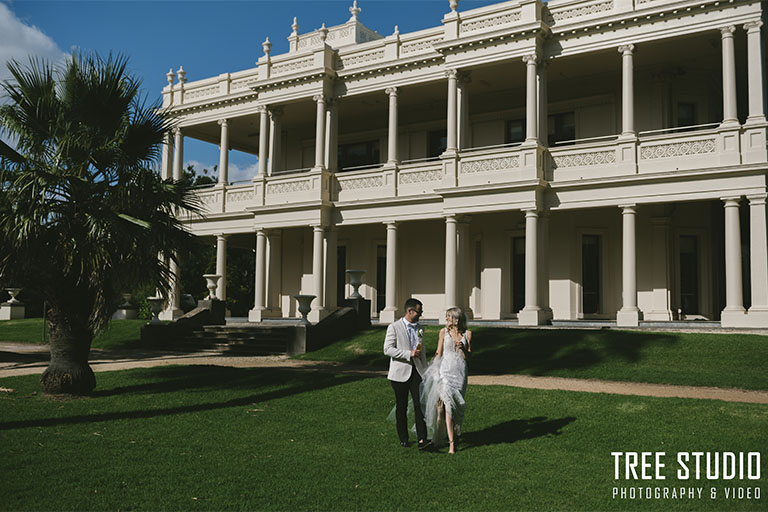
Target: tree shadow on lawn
x=515 y=430
x=500 y=350
x=203 y=378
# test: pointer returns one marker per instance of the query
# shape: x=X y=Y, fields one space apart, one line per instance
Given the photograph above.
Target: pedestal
x=532 y=317
x=218 y=310
x=363 y=309
x=126 y=313
x=11 y=311
x=628 y=318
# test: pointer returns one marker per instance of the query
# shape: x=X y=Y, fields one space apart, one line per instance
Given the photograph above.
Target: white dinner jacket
x=397 y=345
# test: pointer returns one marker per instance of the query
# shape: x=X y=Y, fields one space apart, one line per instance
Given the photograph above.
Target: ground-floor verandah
x=659 y=262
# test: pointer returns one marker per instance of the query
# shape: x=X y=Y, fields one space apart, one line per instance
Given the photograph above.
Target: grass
x=696 y=359
x=212 y=438
x=119 y=334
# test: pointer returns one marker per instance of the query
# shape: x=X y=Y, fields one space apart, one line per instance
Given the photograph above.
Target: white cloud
x=236 y=172
x=19 y=41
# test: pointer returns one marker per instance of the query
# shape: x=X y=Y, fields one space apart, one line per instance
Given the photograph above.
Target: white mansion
x=570 y=159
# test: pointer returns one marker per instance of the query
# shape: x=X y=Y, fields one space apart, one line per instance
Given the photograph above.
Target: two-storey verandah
x=502 y=221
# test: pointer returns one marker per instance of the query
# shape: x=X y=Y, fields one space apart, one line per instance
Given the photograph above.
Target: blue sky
x=206 y=37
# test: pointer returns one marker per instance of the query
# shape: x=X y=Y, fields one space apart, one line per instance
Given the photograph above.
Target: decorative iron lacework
x=583 y=159
x=420 y=176
x=201 y=93
x=696 y=147
x=490 y=165
x=359 y=183
x=362 y=59
x=288 y=187
x=240 y=195
x=491 y=22
x=418 y=47
x=586 y=10
x=279 y=69
x=211 y=198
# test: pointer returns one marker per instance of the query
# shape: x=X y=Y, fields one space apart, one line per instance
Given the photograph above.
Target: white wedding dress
x=444 y=385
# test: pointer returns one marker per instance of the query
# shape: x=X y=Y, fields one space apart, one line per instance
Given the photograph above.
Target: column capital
x=628 y=208
x=627 y=49
x=452 y=74
x=319 y=98
x=731 y=201
x=531 y=59
x=222 y=236
x=177 y=131
x=317 y=227
x=391 y=91
x=757 y=199
x=262 y=109
x=391 y=224
x=753 y=26
x=223 y=122
x=530 y=212
x=451 y=218
x=260 y=231
x=727 y=31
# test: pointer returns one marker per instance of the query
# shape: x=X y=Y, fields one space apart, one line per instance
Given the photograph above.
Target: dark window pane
x=518 y=273
x=561 y=127
x=590 y=274
x=341 y=273
x=358 y=154
x=515 y=131
x=689 y=275
x=686 y=114
x=381 y=277
x=437 y=143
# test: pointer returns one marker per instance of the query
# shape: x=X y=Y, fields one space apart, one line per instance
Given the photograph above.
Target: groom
x=404 y=345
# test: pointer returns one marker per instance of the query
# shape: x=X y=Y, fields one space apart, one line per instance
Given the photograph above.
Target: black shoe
x=404 y=444
x=425 y=445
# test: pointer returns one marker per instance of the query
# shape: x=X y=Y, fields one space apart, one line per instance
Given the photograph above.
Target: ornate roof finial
x=354 y=11
x=323 y=33
x=171 y=76
x=295 y=25
x=182 y=75
x=454 y=5
x=396 y=32
x=267 y=46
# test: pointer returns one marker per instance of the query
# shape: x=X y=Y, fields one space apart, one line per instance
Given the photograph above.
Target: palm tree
x=82 y=215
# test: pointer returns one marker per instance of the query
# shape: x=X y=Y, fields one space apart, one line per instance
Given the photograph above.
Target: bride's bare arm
x=440 y=339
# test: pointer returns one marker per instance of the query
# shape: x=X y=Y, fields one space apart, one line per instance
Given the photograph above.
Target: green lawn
x=211 y=438
x=724 y=360
x=118 y=335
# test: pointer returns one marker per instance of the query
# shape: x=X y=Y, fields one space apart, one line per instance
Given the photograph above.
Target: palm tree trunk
x=68 y=371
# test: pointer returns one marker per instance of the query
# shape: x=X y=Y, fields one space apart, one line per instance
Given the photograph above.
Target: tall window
x=437 y=143
x=518 y=273
x=381 y=277
x=561 y=127
x=689 y=275
x=591 y=264
x=341 y=273
x=358 y=154
x=514 y=131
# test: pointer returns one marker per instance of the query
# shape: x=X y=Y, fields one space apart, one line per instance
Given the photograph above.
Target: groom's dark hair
x=412 y=303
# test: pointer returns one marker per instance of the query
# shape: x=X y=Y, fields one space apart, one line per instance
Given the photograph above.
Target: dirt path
x=20 y=359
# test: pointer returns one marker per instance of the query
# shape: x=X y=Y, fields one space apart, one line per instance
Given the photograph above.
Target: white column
x=173 y=308
x=320 y=132
x=627 y=90
x=389 y=313
x=543 y=95
x=331 y=242
x=450 y=262
x=755 y=72
x=392 y=136
x=224 y=153
x=452 y=121
x=318 y=245
x=543 y=264
x=462 y=100
x=758 y=241
x=331 y=134
x=629 y=315
x=263 y=141
x=178 y=154
x=531 y=102
x=273 y=272
x=259 y=285
x=730 y=114
x=166 y=164
x=275 y=140
x=733 y=314
x=221 y=265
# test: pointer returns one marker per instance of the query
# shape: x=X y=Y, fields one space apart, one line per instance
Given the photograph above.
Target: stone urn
x=212 y=282
x=126 y=300
x=355 y=279
x=13 y=292
x=155 y=306
x=305 y=306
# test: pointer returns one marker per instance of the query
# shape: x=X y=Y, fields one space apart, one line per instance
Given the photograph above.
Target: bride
x=445 y=380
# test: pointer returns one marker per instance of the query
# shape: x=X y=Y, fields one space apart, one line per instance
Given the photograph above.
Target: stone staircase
x=238 y=339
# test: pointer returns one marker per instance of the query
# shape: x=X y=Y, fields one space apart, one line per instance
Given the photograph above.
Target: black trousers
x=401 y=409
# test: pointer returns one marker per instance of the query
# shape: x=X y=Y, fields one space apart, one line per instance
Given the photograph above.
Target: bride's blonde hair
x=459 y=317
